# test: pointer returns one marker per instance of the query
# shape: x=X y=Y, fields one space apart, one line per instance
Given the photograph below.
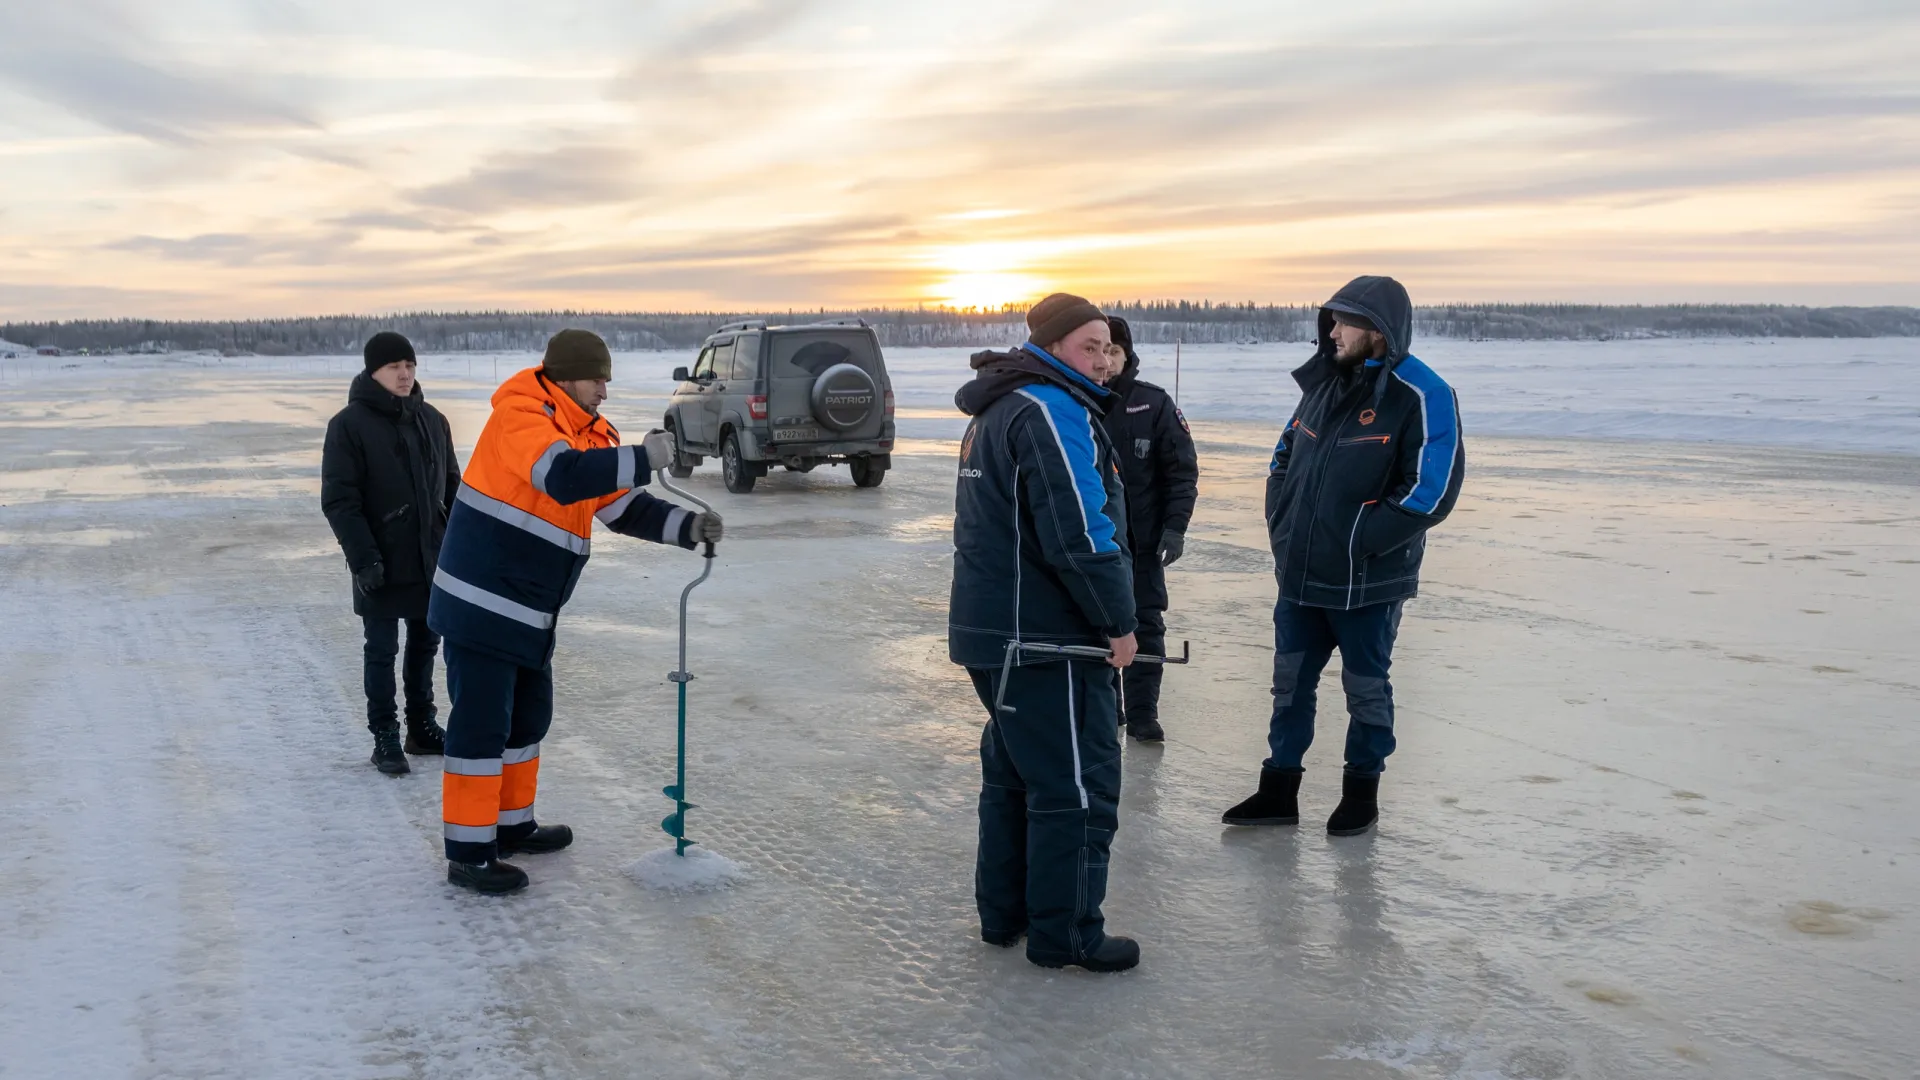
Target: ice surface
x=1652 y=816
x=698 y=870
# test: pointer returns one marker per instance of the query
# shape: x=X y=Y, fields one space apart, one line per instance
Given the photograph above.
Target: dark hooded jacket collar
x=1383 y=302
x=1001 y=373
x=365 y=391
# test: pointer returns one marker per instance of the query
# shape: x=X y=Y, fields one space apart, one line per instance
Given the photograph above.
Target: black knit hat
x=1348 y=318
x=1057 y=316
x=386 y=347
x=577 y=354
x=1122 y=333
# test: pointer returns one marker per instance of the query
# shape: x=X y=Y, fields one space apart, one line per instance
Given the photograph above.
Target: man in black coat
x=1371 y=460
x=1162 y=476
x=387 y=481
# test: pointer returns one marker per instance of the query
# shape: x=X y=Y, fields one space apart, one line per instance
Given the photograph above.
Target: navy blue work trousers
x=491 y=770
x=1303 y=641
x=1049 y=805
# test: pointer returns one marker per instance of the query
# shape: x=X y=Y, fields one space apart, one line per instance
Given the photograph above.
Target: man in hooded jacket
x=1162 y=475
x=1038 y=530
x=1371 y=460
x=387 y=482
x=546 y=467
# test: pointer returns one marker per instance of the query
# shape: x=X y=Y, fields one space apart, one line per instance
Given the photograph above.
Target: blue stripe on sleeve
x=1073 y=431
x=1439 y=419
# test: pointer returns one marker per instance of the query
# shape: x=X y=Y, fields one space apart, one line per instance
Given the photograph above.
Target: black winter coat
x=1157 y=459
x=387 y=481
x=1039 y=514
x=1371 y=460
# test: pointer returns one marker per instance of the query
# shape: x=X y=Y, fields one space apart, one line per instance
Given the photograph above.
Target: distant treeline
x=1158 y=322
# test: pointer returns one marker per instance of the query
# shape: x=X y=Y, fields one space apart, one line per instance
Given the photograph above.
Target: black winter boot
x=1006 y=939
x=492 y=878
x=386 y=752
x=1146 y=731
x=1276 y=803
x=543 y=839
x=1114 y=954
x=424 y=736
x=1359 y=806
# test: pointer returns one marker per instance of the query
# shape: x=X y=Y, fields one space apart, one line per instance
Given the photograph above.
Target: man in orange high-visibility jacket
x=547 y=464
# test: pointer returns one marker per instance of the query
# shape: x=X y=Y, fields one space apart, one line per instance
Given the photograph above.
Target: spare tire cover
x=844 y=397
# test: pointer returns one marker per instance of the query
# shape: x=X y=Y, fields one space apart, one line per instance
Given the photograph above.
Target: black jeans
x=383 y=646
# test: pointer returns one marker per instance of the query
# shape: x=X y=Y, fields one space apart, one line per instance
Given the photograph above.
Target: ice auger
x=675 y=823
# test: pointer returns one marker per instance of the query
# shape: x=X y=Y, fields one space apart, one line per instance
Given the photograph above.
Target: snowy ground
x=1653 y=813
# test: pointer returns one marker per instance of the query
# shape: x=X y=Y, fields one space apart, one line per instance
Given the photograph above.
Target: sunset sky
x=261 y=158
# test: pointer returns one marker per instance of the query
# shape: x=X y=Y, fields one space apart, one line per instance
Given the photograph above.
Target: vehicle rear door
x=796 y=361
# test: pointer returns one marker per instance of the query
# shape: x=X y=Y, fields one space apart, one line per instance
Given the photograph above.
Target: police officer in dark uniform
x=1162 y=476
x=1039 y=556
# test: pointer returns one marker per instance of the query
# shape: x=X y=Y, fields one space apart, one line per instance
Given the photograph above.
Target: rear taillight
x=889 y=404
x=757 y=406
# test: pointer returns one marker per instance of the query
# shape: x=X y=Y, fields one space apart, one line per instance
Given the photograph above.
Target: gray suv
x=797 y=396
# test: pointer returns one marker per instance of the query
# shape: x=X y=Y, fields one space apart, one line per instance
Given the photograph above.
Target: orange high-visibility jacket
x=522 y=524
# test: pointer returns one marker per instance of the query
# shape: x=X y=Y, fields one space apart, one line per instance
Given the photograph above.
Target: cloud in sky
x=221 y=157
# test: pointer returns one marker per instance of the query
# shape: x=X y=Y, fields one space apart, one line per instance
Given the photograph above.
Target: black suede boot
x=386 y=752
x=492 y=878
x=1359 y=806
x=543 y=839
x=1114 y=954
x=424 y=736
x=1276 y=803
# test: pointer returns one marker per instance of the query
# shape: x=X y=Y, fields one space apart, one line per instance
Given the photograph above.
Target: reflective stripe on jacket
x=522 y=525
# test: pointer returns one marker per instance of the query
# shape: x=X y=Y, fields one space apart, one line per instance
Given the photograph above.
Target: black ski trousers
x=1140 y=683
x=382 y=648
x=1049 y=805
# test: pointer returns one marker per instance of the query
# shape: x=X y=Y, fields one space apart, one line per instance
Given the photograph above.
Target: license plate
x=796 y=434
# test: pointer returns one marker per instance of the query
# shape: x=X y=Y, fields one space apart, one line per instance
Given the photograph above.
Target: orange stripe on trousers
x=517 y=783
x=469 y=800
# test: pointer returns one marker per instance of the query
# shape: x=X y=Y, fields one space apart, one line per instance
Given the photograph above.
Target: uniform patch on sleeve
x=1182 y=417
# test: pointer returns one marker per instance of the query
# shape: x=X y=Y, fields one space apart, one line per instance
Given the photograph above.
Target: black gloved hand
x=1172 y=546
x=370 y=578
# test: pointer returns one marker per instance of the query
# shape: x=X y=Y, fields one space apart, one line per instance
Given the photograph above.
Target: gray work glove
x=370 y=578
x=1172 y=546
x=659 y=448
x=706 y=528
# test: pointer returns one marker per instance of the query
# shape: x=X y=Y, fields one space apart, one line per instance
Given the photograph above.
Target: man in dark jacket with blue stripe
x=1371 y=460
x=1038 y=530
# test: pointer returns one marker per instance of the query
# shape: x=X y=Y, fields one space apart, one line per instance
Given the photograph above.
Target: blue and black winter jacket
x=1039 y=524
x=1371 y=460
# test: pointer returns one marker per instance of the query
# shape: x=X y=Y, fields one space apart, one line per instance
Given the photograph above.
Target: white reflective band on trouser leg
x=470 y=834
x=521 y=756
x=516 y=817
x=463 y=766
x=499 y=605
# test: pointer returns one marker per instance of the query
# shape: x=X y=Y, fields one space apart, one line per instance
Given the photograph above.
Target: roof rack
x=743 y=324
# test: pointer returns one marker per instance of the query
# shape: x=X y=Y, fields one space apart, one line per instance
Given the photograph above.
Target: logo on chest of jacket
x=966 y=442
x=1367 y=416
x=1142 y=447
x=1131 y=409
